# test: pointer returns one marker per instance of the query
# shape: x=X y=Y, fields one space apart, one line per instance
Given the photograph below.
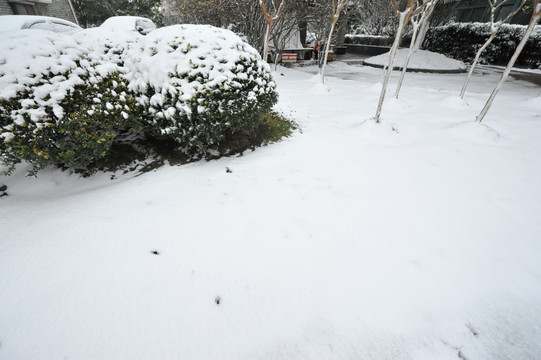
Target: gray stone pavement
x=517 y=73
x=358 y=60
x=520 y=74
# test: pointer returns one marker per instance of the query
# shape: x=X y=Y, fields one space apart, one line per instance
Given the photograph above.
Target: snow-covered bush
x=198 y=83
x=462 y=40
x=60 y=101
x=64 y=99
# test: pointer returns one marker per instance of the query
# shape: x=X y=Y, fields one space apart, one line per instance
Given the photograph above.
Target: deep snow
x=347 y=240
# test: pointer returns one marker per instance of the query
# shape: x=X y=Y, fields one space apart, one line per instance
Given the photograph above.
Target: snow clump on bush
x=112 y=43
x=198 y=83
x=60 y=101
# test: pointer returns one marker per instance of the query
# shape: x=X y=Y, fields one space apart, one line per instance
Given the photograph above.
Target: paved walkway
x=358 y=60
x=519 y=74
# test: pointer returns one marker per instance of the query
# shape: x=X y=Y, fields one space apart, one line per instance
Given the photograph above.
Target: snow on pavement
x=346 y=240
x=420 y=60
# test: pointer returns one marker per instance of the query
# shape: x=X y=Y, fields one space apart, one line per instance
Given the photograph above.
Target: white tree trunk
x=408 y=58
x=425 y=25
x=327 y=49
x=474 y=63
x=267 y=41
x=336 y=11
x=392 y=55
x=534 y=20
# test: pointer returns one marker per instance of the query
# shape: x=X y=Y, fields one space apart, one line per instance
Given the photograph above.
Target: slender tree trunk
x=392 y=55
x=423 y=30
x=474 y=63
x=418 y=19
x=327 y=48
x=529 y=30
x=267 y=41
x=408 y=57
x=336 y=11
x=342 y=30
x=277 y=57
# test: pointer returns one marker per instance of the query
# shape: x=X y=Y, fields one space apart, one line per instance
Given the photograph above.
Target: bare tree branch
x=271 y=19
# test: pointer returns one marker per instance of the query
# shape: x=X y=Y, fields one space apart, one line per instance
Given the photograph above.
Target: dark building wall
x=476 y=11
x=57 y=8
x=5 y=8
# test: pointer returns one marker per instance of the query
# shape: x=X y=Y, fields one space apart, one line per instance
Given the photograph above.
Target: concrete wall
x=57 y=8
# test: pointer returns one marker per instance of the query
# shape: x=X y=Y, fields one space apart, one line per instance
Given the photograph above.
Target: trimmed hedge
x=376 y=40
x=209 y=83
x=64 y=99
x=461 y=41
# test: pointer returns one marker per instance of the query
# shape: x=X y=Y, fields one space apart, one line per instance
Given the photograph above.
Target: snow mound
x=421 y=60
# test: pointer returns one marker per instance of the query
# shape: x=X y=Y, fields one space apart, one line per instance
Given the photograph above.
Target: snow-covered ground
x=348 y=240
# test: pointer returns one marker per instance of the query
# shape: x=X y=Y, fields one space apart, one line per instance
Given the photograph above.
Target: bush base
x=146 y=153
